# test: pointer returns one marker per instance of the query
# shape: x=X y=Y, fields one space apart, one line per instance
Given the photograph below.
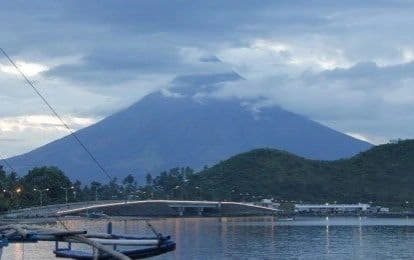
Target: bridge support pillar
x=200 y=211
x=181 y=211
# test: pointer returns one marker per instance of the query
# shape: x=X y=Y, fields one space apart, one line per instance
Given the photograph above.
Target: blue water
x=262 y=238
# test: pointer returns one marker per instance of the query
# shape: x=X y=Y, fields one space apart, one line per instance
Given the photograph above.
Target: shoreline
x=282 y=217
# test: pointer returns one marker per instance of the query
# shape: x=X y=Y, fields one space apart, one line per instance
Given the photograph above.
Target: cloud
x=18 y=132
x=365 y=100
x=347 y=64
x=30 y=69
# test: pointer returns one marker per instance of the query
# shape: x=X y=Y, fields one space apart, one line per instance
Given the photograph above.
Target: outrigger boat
x=104 y=245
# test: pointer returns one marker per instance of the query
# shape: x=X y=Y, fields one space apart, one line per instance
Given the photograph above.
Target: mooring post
x=109 y=228
x=200 y=211
x=109 y=231
x=95 y=253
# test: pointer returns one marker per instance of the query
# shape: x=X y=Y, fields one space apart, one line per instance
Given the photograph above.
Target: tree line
x=382 y=175
x=50 y=185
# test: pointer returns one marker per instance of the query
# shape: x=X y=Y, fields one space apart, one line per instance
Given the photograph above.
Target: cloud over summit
x=347 y=64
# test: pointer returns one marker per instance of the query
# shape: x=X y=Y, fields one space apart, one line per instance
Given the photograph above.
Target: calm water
x=262 y=238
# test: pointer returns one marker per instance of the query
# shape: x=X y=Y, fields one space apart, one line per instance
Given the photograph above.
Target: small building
x=331 y=208
x=384 y=210
x=268 y=203
x=378 y=209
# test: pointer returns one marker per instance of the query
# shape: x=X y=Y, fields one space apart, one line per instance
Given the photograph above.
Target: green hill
x=384 y=173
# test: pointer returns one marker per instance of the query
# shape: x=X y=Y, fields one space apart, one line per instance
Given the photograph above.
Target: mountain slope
x=384 y=173
x=163 y=131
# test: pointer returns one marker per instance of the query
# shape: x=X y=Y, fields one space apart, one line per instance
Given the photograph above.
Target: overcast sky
x=346 y=64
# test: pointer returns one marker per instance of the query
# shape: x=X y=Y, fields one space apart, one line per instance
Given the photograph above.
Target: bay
x=259 y=238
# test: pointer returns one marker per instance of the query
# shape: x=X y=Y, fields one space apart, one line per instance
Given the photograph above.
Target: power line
x=72 y=133
x=7 y=163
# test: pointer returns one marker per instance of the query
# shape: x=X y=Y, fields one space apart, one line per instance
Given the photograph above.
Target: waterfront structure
x=331 y=208
x=145 y=208
x=378 y=209
x=268 y=203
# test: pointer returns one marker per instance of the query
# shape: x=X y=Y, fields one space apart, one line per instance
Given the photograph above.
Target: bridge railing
x=58 y=206
x=90 y=205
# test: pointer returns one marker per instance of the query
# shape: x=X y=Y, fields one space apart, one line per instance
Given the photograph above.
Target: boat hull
x=132 y=253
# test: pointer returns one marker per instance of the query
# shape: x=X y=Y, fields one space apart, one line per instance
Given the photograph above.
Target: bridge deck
x=76 y=208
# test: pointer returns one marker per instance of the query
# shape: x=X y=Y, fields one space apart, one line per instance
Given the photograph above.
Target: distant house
x=378 y=209
x=268 y=203
x=384 y=210
x=331 y=208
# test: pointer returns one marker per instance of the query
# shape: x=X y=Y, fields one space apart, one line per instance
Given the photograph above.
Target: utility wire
x=7 y=163
x=72 y=133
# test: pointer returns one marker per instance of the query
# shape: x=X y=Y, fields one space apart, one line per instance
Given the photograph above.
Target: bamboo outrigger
x=104 y=245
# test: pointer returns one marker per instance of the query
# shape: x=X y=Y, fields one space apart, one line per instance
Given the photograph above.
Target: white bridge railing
x=73 y=208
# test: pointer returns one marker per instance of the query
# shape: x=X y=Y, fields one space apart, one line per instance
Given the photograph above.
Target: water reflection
x=260 y=238
x=327 y=236
x=18 y=250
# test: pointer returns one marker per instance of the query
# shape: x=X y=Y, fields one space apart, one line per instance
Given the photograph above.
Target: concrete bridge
x=199 y=206
x=145 y=208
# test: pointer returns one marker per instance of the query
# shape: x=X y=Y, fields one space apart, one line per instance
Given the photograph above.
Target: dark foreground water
x=261 y=238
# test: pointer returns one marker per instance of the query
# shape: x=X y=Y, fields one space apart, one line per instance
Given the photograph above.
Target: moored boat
x=103 y=245
x=144 y=247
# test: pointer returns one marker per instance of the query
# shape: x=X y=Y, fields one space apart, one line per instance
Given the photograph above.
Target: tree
x=111 y=190
x=77 y=191
x=45 y=182
x=130 y=185
x=95 y=189
x=148 y=179
x=4 y=198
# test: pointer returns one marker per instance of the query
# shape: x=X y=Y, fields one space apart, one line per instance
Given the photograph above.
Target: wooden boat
x=153 y=247
x=103 y=245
